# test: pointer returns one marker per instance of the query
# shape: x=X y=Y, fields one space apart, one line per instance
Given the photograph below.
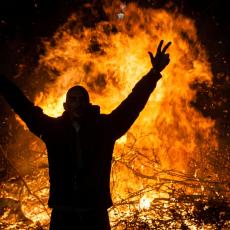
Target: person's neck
x=76 y=119
x=73 y=118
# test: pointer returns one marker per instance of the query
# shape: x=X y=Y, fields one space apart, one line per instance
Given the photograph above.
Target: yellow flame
x=145 y=203
x=122 y=140
x=109 y=64
x=108 y=60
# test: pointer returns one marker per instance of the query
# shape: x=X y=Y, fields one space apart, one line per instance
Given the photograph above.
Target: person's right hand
x=161 y=59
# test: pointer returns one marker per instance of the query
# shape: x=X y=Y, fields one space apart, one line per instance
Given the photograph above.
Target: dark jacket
x=97 y=134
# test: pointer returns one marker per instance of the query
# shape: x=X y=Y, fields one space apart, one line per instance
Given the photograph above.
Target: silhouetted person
x=80 y=145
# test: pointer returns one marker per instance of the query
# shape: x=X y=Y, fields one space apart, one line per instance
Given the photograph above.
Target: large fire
x=110 y=58
x=170 y=138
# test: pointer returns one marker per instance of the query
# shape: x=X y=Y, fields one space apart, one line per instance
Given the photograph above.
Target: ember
x=161 y=174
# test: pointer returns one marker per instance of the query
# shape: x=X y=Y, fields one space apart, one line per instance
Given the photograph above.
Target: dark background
x=24 y=23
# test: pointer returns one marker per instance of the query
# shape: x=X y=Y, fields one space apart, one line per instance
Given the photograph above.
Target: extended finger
x=166 y=47
x=159 y=46
x=151 y=56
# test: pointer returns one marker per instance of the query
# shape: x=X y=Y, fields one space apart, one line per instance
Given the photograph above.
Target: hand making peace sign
x=161 y=59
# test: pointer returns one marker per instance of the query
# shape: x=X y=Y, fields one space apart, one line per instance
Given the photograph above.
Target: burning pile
x=161 y=165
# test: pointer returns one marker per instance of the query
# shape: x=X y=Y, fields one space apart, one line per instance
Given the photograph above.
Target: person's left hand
x=161 y=59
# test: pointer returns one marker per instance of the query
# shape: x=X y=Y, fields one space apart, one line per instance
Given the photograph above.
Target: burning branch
x=30 y=192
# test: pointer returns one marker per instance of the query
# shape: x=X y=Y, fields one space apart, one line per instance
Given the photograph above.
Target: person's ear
x=64 y=106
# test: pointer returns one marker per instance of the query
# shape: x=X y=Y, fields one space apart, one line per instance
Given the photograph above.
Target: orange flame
x=109 y=63
x=108 y=60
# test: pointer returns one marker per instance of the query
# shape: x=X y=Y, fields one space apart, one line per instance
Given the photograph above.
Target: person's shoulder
x=104 y=120
x=103 y=116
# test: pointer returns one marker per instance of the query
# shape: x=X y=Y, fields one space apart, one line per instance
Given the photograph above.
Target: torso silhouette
x=80 y=154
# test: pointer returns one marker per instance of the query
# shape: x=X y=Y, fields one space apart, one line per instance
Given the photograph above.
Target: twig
x=22 y=179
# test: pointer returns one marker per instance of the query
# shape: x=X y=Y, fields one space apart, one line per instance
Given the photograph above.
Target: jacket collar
x=93 y=113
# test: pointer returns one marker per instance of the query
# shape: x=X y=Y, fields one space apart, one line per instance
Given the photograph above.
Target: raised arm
x=127 y=112
x=32 y=115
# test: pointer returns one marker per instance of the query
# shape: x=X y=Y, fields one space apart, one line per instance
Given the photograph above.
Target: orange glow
x=171 y=126
x=109 y=64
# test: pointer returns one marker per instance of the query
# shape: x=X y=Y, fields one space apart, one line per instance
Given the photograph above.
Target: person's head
x=77 y=102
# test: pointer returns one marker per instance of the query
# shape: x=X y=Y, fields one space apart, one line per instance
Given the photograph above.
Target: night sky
x=23 y=24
